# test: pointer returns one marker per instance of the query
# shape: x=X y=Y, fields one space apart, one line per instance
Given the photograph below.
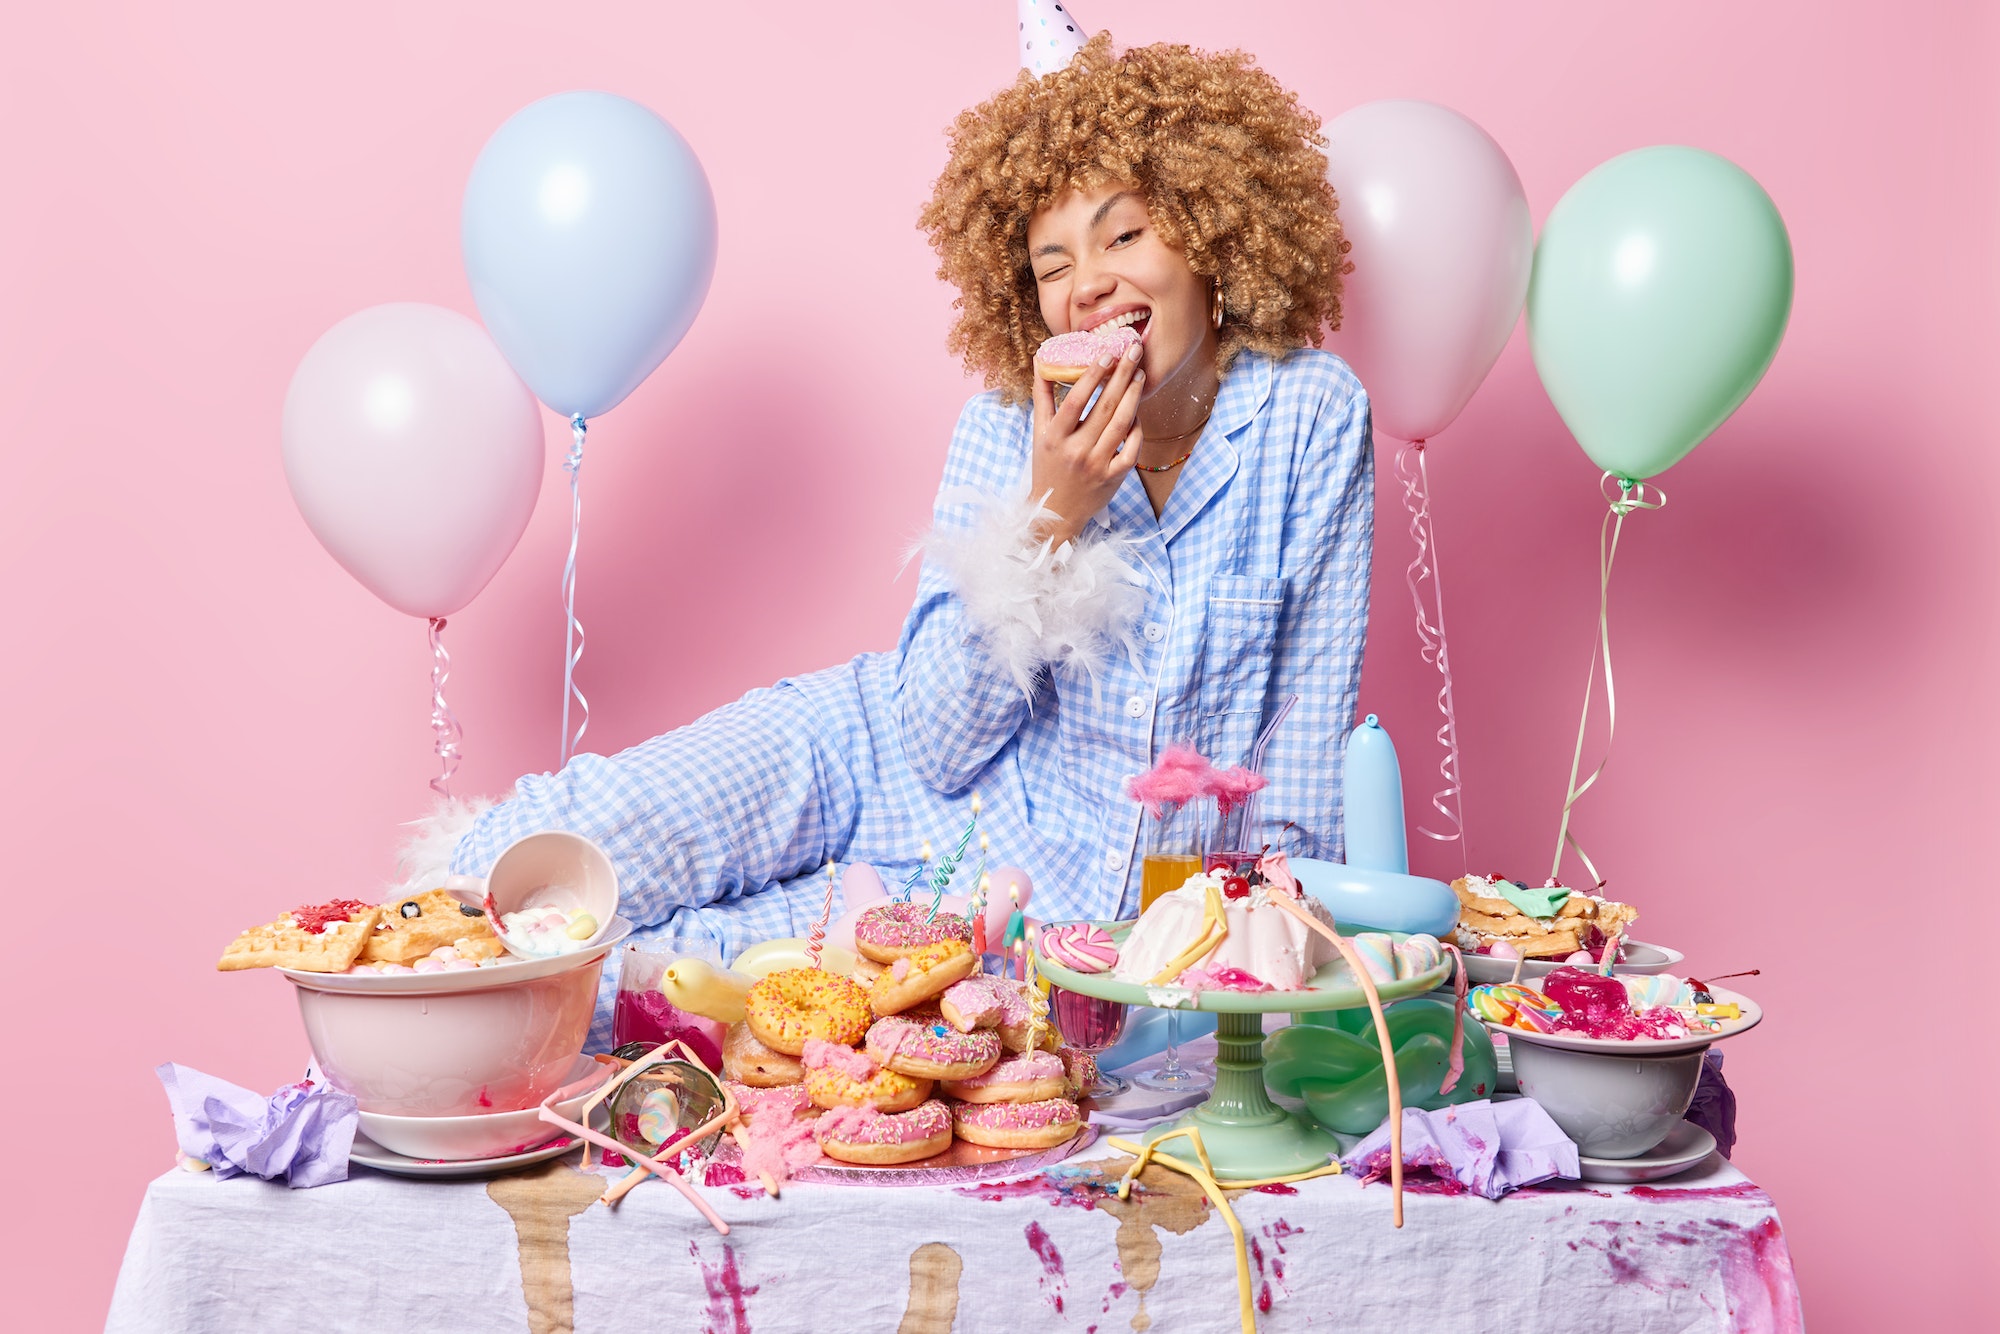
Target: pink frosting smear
x=1222 y=979
x=1085 y=347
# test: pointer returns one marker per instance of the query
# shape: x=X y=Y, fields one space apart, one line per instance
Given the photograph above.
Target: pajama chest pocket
x=1238 y=644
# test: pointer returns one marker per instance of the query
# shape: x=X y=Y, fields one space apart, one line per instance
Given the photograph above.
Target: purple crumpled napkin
x=1488 y=1148
x=1714 y=1105
x=302 y=1133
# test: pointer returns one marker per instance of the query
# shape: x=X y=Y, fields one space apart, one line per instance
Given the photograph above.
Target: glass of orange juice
x=1173 y=853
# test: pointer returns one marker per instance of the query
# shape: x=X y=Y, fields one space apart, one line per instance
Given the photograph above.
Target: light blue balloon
x=1360 y=898
x=1371 y=787
x=589 y=238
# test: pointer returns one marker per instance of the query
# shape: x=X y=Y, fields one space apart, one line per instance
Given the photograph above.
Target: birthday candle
x=818 y=934
x=977 y=911
x=916 y=874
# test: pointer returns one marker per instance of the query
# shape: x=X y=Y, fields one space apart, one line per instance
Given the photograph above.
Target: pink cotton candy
x=776 y=1147
x=820 y=1054
x=1233 y=786
x=1181 y=775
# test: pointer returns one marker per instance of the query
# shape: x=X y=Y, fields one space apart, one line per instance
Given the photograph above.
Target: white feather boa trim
x=1036 y=604
x=424 y=858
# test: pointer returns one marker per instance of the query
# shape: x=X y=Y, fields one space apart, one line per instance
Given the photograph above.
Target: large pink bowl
x=483 y=1041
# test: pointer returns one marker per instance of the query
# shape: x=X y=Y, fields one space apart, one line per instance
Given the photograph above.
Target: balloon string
x=1632 y=495
x=444 y=724
x=1449 y=800
x=573 y=628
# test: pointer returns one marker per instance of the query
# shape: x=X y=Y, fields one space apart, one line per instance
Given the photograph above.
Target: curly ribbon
x=1202 y=1173
x=444 y=723
x=1632 y=495
x=1448 y=801
x=573 y=628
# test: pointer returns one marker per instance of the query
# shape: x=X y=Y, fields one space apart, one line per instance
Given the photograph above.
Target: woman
x=1171 y=565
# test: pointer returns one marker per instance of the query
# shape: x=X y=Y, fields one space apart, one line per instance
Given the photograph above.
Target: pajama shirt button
x=1114 y=860
x=1155 y=632
x=1135 y=707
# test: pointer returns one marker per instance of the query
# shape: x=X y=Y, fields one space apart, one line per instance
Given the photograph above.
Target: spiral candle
x=817 y=936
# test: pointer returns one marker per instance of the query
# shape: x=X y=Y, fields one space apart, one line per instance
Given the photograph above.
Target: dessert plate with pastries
x=1504 y=925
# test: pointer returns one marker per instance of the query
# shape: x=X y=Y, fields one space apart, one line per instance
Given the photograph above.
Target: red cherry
x=1235 y=887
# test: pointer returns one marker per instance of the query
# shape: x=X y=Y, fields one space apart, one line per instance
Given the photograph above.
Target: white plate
x=1685 y=1146
x=1639 y=958
x=465 y=979
x=1752 y=1015
x=465 y=1138
x=370 y=1154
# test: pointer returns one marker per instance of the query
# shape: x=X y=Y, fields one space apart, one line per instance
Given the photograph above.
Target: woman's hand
x=1077 y=466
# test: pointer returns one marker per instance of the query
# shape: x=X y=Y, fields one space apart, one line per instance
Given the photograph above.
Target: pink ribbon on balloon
x=1449 y=800
x=444 y=723
x=573 y=628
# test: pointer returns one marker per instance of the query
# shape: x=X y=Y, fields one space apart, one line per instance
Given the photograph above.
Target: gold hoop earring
x=1218 y=305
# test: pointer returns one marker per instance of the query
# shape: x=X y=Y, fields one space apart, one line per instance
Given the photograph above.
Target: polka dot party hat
x=1049 y=35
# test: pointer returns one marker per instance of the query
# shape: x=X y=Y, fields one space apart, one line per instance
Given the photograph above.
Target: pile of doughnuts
x=918 y=1048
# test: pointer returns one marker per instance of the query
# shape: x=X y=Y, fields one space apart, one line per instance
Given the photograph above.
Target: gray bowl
x=1614 y=1105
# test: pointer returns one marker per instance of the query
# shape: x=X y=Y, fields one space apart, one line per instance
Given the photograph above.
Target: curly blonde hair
x=1229 y=164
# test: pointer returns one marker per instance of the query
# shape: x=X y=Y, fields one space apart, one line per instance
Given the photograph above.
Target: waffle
x=284 y=943
x=411 y=928
x=1581 y=922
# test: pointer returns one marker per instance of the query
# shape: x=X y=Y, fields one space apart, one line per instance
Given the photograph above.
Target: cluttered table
x=1056 y=1249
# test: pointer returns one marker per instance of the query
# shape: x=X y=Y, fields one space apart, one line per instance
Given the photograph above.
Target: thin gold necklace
x=1196 y=429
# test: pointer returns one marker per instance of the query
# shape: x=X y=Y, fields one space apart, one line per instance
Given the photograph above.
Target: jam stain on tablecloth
x=1752 y=1262
x=1273 y=1286
x=1079 y=1186
x=541 y=1202
x=1054 y=1283
x=1742 y=1190
x=933 y=1305
x=728 y=1299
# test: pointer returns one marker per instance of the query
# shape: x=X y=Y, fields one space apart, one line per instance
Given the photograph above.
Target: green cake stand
x=1249 y=1137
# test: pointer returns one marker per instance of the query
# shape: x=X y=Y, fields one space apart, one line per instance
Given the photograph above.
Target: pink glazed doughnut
x=931 y=1051
x=864 y=1135
x=1016 y=1125
x=891 y=931
x=1029 y=1077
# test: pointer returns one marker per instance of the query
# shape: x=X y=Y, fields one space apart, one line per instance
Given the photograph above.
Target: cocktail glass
x=1091 y=1025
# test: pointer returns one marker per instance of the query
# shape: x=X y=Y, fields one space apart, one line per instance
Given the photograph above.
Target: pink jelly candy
x=1594 y=1006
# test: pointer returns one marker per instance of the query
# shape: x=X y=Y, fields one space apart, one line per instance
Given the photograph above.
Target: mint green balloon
x=1662 y=284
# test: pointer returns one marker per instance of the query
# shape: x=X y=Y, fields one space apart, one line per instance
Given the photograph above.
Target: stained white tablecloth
x=1703 y=1252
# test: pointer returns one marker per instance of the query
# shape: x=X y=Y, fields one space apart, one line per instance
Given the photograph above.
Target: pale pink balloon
x=414 y=453
x=1442 y=249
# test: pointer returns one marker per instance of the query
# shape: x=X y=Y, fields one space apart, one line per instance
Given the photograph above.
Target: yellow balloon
x=700 y=988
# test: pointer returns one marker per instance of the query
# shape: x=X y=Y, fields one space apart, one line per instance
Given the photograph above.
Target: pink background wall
x=211 y=721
